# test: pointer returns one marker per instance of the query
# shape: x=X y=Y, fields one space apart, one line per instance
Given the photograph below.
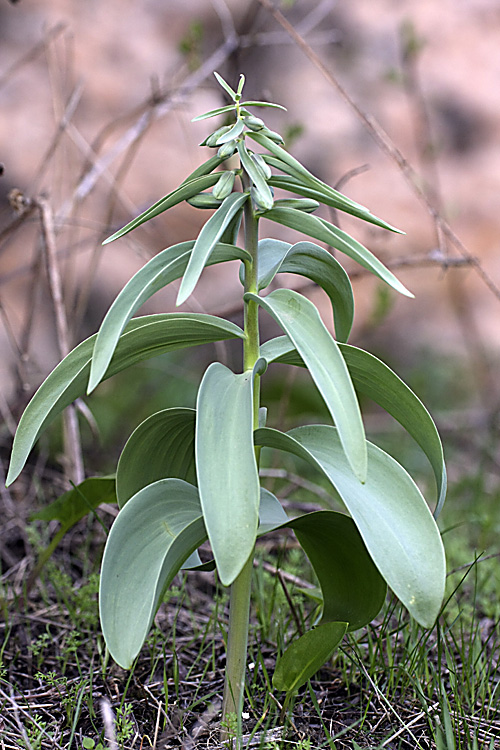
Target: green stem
x=239 y=603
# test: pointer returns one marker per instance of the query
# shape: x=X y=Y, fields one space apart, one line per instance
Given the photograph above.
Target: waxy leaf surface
x=300 y=320
x=143 y=338
x=227 y=472
x=161 y=270
x=374 y=379
x=161 y=447
x=389 y=511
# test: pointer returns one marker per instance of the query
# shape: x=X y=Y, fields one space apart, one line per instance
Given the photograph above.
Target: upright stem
x=239 y=603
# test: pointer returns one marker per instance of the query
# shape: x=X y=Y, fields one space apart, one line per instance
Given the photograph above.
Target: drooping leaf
x=318 y=265
x=76 y=503
x=300 y=320
x=186 y=190
x=353 y=589
x=287 y=163
x=389 y=511
x=374 y=379
x=322 y=230
x=161 y=447
x=144 y=337
x=208 y=238
x=153 y=535
x=305 y=656
x=227 y=472
x=160 y=271
x=326 y=197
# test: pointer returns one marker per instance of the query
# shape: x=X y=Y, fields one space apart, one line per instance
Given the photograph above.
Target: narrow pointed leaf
x=153 y=535
x=225 y=86
x=389 y=511
x=226 y=467
x=143 y=338
x=374 y=379
x=76 y=503
x=322 y=230
x=300 y=320
x=233 y=133
x=307 y=655
x=161 y=447
x=287 y=163
x=182 y=193
x=205 y=168
x=263 y=104
x=160 y=271
x=207 y=240
x=326 y=197
x=214 y=112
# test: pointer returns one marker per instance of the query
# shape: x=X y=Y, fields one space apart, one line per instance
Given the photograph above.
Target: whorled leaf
x=374 y=379
x=226 y=467
x=160 y=447
x=300 y=320
x=389 y=511
x=143 y=338
x=160 y=271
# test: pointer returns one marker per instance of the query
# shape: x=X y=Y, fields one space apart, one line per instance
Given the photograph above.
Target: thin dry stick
x=387 y=146
x=73 y=449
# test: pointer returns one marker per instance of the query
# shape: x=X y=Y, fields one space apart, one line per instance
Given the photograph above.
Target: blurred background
x=96 y=102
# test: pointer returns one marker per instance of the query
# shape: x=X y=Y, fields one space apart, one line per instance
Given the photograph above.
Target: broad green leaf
x=164 y=268
x=287 y=163
x=322 y=230
x=76 y=503
x=318 y=265
x=143 y=338
x=374 y=379
x=352 y=587
x=214 y=112
x=327 y=197
x=227 y=472
x=271 y=513
x=389 y=511
x=153 y=535
x=186 y=190
x=208 y=238
x=161 y=447
x=300 y=320
x=305 y=656
x=271 y=254
x=256 y=175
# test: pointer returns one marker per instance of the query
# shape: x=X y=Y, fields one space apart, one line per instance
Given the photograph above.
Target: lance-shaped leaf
x=287 y=163
x=374 y=379
x=207 y=239
x=143 y=338
x=227 y=472
x=328 y=197
x=322 y=230
x=164 y=268
x=389 y=511
x=307 y=655
x=186 y=190
x=300 y=320
x=153 y=535
x=161 y=447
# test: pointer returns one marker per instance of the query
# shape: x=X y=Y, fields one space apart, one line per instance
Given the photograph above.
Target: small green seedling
x=188 y=475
